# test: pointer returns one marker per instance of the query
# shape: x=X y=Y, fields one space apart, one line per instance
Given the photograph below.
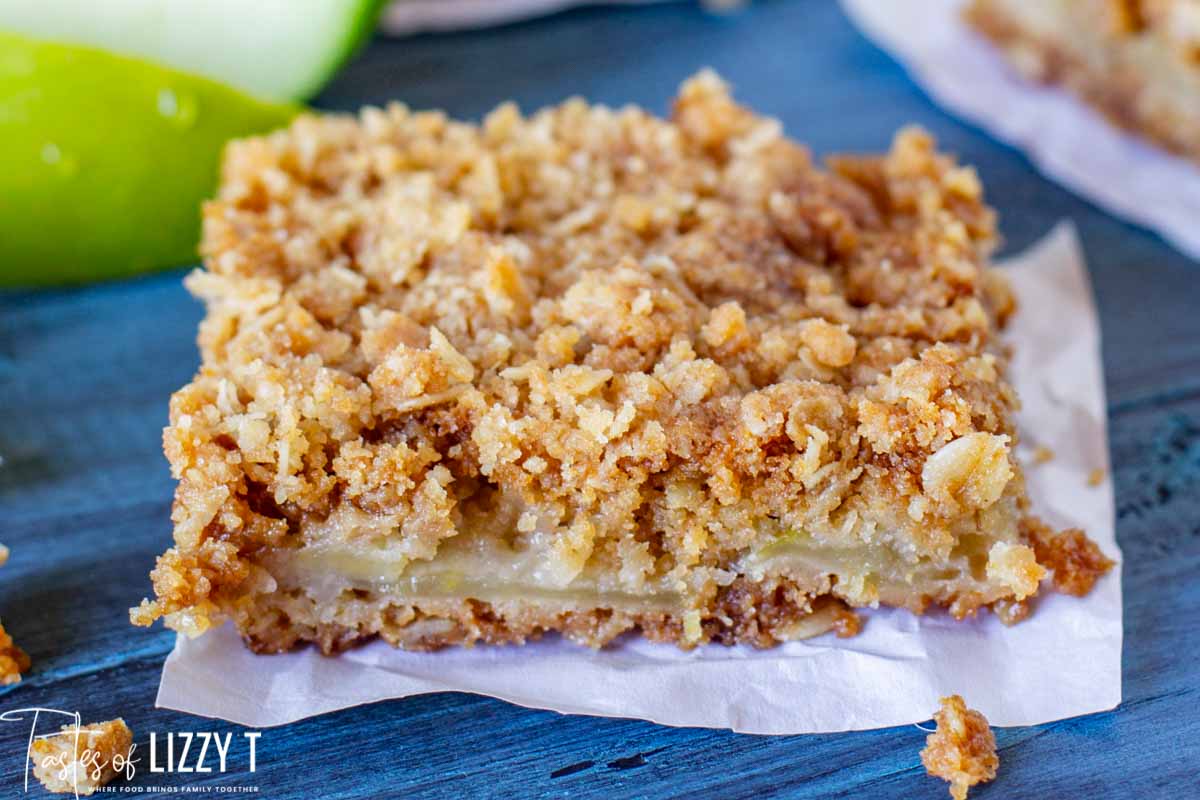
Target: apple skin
x=106 y=160
x=274 y=49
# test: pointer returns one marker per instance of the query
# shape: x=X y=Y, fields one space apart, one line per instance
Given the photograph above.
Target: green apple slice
x=280 y=49
x=106 y=160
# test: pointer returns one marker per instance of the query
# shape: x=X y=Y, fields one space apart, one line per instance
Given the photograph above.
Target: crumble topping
x=80 y=760
x=962 y=751
x=640 y=341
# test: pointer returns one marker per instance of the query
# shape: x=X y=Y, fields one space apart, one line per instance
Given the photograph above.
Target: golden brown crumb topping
x=648 y=336
x=962 y=750
x=81 y=759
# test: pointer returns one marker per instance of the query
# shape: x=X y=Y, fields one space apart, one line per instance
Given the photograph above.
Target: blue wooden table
x=85 y=493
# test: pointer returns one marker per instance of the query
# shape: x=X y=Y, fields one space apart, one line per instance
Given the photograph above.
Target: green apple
x=278 y=49
x=106 y=159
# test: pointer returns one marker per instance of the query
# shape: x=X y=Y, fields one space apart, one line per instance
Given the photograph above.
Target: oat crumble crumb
x=1042 y=455
x=82 y=759
x=13 y=660
x=1075 y=560
x=847 y=624
x=962 y=751
x=1095 y=477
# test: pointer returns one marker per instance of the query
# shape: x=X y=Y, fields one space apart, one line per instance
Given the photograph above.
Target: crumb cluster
x=13 y=660
x=82 y=759
x=1075 y=560
x=962 y=751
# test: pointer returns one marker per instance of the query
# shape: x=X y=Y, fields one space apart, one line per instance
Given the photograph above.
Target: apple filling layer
x=489 y=569
x=491 y=574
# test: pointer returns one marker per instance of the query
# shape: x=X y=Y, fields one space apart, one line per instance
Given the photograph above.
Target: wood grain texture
x=85 y=493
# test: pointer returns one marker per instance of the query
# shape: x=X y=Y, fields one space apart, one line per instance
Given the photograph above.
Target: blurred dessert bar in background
x=1137 y=61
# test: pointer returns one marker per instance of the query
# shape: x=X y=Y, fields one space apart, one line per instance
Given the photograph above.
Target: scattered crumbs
x=1095 y=477
x=1042 y=454
x=962 y=750
x=81 y=759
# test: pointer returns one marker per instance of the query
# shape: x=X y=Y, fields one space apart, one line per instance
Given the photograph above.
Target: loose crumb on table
x=962 y=750
x=82 y=759
x=13 y=660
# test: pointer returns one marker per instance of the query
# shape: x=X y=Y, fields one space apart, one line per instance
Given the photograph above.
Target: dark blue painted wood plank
x=85 y=493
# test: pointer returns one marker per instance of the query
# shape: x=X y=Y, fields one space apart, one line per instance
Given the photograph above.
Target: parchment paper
x=1067 y=140
x=1063 y=661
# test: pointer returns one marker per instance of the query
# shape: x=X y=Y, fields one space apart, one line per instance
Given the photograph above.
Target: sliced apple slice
x=106 y=160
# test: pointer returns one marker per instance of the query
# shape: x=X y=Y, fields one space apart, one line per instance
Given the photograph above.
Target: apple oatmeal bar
x=13 y=660
x=1137 y=61
x=591 y=371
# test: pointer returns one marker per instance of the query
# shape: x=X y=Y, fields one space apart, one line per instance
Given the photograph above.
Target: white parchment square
x=1065 y=660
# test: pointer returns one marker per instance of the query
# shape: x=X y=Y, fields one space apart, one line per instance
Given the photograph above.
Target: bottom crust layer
x=759 y=614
